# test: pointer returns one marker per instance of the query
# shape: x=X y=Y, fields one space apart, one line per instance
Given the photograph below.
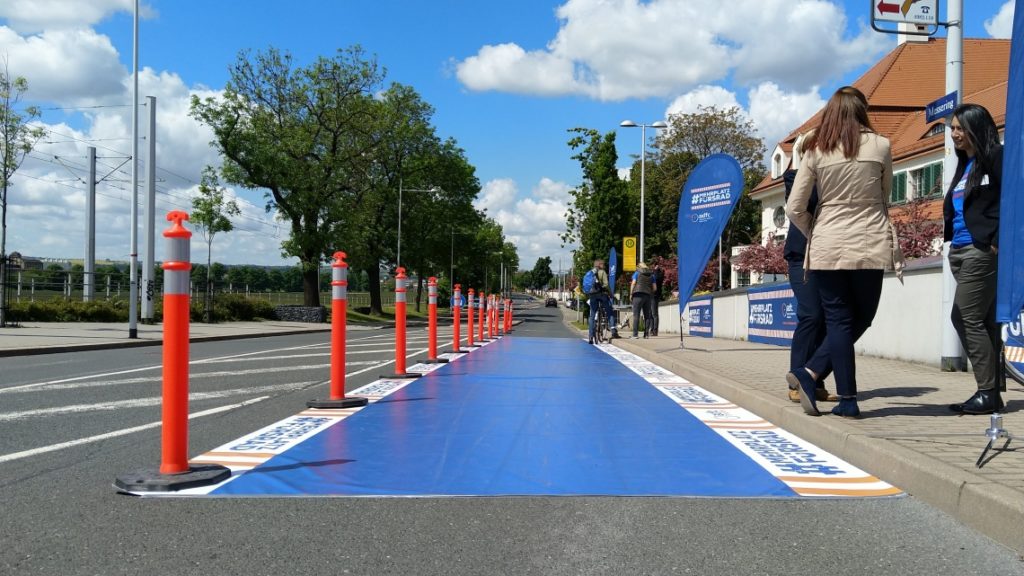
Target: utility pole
x=149 y=261
x=133 y=264
x=952 y=353
x=89 y=285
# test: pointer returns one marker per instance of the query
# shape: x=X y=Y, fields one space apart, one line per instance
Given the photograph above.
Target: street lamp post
x=431 y=189
x=643 y=157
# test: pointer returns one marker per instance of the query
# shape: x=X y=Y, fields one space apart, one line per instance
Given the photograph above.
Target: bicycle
x=602 y=330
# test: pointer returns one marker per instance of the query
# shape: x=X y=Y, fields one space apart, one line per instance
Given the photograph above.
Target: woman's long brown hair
x=845 y=116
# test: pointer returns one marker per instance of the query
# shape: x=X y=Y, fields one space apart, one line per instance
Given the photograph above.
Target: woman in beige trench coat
x=850 y=240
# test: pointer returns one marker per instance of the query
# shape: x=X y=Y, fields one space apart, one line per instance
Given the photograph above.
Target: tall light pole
x=133 y=265
x=643 y=157
x=431 y=189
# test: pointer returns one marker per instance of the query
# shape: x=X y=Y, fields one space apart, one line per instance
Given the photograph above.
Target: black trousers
x=655 y=302
x=809 y=335
x=850 y=301
x=641 y=303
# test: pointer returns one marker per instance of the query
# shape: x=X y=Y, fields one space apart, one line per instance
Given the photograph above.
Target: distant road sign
x=920 y=12
x=940 y=108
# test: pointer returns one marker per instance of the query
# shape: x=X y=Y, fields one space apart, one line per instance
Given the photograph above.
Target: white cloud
x=46 y=214
x=34 y=15
x=1001 y=25
x=496 y=195
x=535 y=223
x=618 y=49
x=509 y=68
x=70 y=67
x=774 y=111
x=702 y=97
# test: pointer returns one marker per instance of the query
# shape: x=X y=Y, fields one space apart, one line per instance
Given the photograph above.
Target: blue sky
x=507 y=80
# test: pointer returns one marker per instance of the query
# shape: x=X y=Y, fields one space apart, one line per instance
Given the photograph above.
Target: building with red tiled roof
x=898 y=88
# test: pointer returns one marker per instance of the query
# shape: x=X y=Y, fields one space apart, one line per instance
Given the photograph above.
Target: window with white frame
x=927 y=180
x=899 y=188
x=742 y=278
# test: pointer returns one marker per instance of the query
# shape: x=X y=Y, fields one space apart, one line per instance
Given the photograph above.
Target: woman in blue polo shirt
x=971 y=214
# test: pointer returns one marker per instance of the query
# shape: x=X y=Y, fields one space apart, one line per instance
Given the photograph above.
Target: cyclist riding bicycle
x=595 y=284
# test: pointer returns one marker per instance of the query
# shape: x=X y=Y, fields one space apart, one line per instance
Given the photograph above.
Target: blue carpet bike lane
x=534 y=417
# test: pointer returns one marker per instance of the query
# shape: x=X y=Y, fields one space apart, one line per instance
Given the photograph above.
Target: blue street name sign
x=940 y=108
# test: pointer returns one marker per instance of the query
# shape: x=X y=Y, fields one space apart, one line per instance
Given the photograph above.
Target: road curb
x=994 y=510
x=142 y=343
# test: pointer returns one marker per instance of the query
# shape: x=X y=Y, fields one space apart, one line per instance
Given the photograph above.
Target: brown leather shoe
x=794 y=396
x=822 y=395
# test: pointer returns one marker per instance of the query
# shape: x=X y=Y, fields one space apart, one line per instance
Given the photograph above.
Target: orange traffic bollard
x=508 y=315
x=469 y=320
x=480 y=314
x=456 y=317
x=400 y=371
x=339 y=312
x=432 y=323
x=174 y=472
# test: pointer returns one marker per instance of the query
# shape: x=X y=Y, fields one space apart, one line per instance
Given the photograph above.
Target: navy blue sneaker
x=847 y=408
x=805 y=386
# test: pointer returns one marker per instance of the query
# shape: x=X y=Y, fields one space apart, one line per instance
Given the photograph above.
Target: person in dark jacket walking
x=641 y=288
x=971 y=214
x=809 y=334
x=659 y=281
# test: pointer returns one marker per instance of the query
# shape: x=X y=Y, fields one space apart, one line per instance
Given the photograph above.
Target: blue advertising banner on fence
x=702 y=317
x=1010 y=290
x=707 y=202
x=771 y=315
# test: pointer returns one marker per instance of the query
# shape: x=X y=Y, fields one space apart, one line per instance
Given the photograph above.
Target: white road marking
x=145 y=402
x=116 y=433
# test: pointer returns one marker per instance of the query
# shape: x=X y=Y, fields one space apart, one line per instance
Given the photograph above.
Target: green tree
x=17 y=138
x=211 y=215
x=301 y=133
x=541 y=274
x=713 y=130
x=600 y=213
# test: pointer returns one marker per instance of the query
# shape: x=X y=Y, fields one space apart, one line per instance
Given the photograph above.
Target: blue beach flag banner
x=707 y=202
x=1010 y=291
x=613 y=263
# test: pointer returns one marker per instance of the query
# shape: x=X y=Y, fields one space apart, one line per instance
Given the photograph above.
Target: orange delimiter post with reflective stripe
x=469 y=320
x=177 y=268
x=400 y=321
x=456 y=317
x=480 y=312
x=432 y=318
x=339 y=312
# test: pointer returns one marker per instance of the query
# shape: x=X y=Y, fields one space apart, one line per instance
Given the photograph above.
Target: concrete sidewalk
x=54 y=337
x=906 y=436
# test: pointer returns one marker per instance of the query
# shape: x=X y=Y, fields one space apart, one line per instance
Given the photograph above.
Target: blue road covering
x=522 y=416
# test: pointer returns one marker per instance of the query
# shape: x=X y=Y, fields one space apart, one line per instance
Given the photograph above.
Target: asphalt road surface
x=70 y=423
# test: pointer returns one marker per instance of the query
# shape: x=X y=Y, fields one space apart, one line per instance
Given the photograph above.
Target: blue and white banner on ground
x=1010 y=291
x=771 y=315
x=702 y=317
x=707 y=202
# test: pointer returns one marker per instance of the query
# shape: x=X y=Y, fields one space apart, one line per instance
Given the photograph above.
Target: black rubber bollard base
x=346 y=402
x=154 y=481
x=435 y=361
x=401 y=376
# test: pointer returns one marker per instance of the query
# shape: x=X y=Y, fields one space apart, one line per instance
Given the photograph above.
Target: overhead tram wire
x=188 y=206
